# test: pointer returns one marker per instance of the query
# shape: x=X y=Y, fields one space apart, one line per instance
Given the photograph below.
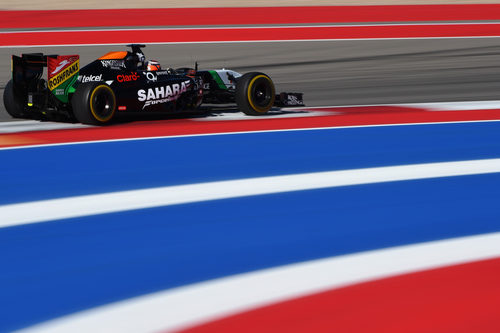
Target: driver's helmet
x=153 y=65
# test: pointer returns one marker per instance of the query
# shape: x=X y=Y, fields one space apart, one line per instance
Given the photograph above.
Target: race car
x=125 y=82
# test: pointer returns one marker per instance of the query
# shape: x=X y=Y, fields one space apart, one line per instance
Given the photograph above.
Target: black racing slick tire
x=13 y=104
x=255 y=93
x=94 y=103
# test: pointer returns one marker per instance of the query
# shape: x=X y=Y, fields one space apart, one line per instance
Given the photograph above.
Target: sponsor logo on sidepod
x=163 y=94
x=127 y=78
x=151 y=77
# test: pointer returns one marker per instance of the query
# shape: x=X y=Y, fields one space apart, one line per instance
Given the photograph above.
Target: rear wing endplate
x=62 y=73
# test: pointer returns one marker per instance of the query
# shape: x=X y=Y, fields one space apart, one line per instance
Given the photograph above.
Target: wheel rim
x=102 y=103
x=261 y=94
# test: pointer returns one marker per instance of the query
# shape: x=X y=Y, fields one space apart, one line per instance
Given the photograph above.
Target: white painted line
x=445 y=106
x=182 y=307
x=224 y=116
x=19 y=122
x=56 y=209
x=457 y=106
x=34 y=126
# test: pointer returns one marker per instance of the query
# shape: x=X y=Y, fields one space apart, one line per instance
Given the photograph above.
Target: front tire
x=94 y=103
x=13 y=104
x=255 y=93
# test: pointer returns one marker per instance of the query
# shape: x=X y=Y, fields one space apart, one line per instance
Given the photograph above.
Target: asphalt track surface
x=335 y=72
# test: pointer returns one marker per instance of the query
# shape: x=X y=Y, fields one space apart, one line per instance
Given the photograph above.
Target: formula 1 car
x=125 y=81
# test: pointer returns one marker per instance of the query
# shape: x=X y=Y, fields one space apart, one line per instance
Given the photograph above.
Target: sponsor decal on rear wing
x=62 y=73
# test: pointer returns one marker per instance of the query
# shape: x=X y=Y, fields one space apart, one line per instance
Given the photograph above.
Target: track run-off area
x=378 y=217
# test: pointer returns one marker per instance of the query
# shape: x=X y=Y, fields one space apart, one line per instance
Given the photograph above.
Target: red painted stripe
x=245 y=34
x=463 y=298
x=249 y=15
x=354 y=116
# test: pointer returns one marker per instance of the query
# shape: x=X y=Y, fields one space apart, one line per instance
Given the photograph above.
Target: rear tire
x=13 y=104
x=255 y=93
x=94 y=103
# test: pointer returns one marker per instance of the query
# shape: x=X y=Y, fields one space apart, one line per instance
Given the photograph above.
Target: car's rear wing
x=27 y=72
x=27 y=68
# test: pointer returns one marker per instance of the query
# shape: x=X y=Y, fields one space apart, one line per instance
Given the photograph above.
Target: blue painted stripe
x=53 y=172
x=56 y=268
